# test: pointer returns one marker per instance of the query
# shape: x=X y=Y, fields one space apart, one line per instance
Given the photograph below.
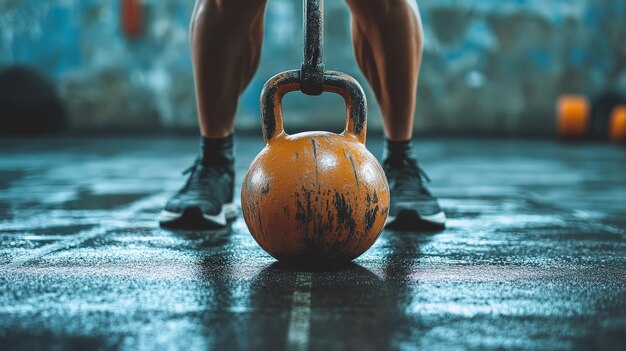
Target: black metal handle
x=336 y=82
x=312 y=69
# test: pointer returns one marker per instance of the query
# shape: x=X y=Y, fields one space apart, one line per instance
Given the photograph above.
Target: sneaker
x=412 y=206
x=206 y=200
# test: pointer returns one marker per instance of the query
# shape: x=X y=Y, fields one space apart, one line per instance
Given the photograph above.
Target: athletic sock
x=218 y=152
x=397 y=150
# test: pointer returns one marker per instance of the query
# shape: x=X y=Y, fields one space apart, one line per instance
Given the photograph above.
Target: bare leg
x=226 y=38
x=387 y=37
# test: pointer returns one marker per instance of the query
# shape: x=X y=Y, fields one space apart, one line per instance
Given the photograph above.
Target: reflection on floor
x=534 y=256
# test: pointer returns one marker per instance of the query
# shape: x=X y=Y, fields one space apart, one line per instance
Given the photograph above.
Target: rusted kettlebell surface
x=315 y=198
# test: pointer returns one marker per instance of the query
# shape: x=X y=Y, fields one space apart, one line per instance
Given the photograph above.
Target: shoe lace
x=408 y=176
x=201 y=173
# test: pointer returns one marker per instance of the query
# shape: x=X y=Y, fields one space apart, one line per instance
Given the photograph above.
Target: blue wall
x=489 y=66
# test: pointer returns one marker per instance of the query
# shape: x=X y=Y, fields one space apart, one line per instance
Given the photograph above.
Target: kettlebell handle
x=336 y=82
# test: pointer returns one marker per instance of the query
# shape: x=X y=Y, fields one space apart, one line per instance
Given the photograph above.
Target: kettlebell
x=315 y=198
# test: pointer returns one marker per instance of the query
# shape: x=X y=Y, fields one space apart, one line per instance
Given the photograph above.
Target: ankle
x=217 y=151
x=397 y=151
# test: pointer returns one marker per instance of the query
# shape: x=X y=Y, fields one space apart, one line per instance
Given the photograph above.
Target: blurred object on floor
x=572 y=113
x=601 y=112
x=603 y=118
x=29 y=104
x=618 y=125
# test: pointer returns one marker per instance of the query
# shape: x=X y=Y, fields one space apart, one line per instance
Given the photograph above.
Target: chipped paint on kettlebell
x=315 y=207
x=315 y=198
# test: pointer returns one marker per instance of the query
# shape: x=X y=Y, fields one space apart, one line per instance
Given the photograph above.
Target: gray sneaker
x=412 y=206
x=206 y=200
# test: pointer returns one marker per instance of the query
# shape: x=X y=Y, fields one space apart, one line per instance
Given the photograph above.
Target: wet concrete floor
x=534 y=256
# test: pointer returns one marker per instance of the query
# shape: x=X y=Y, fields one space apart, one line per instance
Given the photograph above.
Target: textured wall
x=489 y=66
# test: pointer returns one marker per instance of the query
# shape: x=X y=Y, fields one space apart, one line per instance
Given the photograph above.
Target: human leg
x=387 y=38
x=226 y=38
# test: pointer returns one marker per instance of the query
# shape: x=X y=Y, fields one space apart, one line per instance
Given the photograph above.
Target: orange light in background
x=132 y=17
x=617 y=128
x=573 y=116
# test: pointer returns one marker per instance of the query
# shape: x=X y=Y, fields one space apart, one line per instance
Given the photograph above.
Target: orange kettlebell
x=315 y=198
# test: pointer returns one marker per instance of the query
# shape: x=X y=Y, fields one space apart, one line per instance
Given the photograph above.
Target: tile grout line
x=74 y=240
x=300 y=318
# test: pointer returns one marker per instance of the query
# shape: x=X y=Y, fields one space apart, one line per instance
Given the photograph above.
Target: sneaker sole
x=193 y=218
x=408 y=219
